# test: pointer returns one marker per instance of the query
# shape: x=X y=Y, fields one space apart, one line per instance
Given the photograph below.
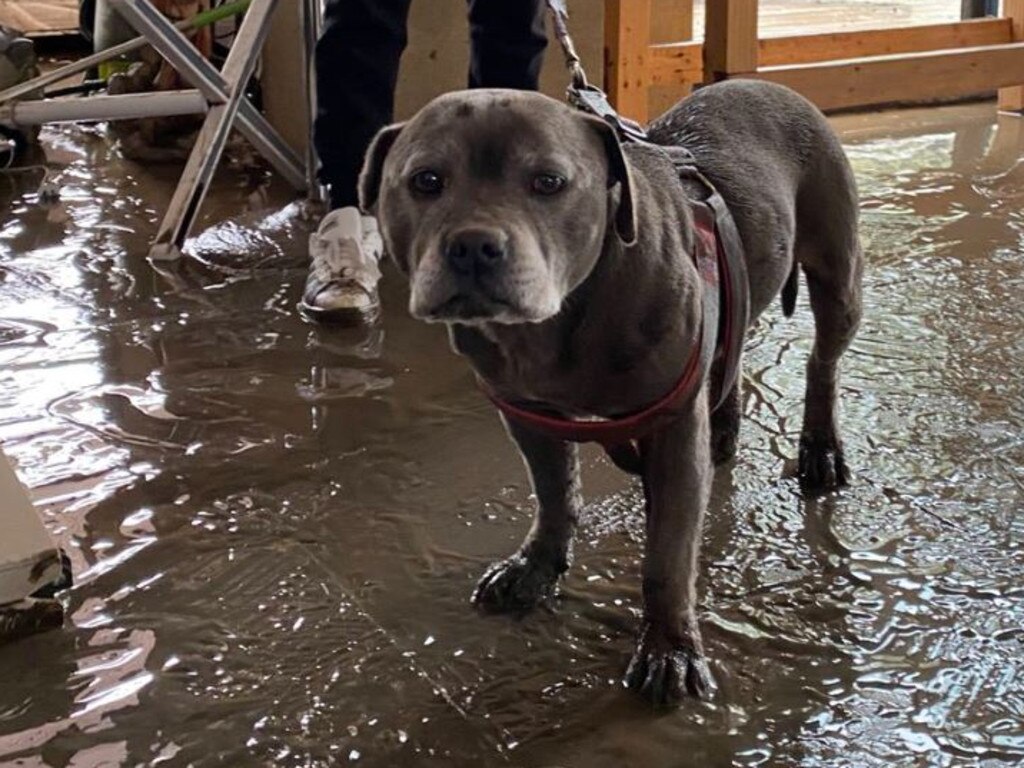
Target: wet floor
x=275 y=528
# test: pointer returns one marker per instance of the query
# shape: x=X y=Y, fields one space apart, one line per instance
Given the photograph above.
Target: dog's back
x=779 y=166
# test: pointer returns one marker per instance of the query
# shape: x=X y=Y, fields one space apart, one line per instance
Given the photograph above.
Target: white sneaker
x=343 y=276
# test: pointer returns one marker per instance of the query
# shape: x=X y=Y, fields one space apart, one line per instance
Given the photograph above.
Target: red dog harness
x=718 y=256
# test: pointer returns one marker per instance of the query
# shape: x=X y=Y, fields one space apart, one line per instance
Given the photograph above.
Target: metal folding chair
x=225 y=93
x=220 y=95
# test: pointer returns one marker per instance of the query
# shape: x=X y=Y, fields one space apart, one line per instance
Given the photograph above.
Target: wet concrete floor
x=275 y=528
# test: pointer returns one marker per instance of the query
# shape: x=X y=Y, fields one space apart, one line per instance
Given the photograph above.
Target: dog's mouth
x=482 y=302
x=472 y=307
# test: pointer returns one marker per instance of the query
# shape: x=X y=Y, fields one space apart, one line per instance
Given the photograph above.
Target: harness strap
x=735 y=293
x=706 y=259
x=735 y=284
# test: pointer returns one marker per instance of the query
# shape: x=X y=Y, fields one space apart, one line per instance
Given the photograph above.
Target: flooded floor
x=275 y=528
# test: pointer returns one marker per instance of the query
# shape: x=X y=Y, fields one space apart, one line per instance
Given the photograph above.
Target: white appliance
x=28 y=558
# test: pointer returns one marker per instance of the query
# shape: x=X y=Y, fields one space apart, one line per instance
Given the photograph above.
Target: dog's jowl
x=582 y=279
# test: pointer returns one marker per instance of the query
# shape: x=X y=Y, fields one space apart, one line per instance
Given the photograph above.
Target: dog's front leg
x=669 y=658
x=527 y=577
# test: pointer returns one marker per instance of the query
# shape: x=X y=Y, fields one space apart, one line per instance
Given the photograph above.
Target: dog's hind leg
x=827 y=248
x=725 y=426
x=834 y=287
x=527 y=577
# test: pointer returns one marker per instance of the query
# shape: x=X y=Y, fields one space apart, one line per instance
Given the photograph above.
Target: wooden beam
x=681 y=63
x=903 y=78
x=671 y=21
x=628 y=36
x=730 y=38
x=1012 y=99
x=804 y=49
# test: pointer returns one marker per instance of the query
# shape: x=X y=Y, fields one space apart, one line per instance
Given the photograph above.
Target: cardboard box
x=28 y=557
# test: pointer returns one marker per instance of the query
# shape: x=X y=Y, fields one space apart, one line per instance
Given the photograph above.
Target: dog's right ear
x=373 y=166
x=619 y=175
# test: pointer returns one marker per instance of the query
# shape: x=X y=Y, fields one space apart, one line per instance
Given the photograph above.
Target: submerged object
x=18 y=64
x=32 y=570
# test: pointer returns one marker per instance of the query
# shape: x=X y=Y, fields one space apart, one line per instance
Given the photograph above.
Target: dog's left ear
x=373 y=166
x=619 y=174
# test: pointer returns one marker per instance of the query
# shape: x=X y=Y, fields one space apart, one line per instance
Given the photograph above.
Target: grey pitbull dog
x=560 y=260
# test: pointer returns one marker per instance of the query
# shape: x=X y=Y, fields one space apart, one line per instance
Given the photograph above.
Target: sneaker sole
x=341 y=316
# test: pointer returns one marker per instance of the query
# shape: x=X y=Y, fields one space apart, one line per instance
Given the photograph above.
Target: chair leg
x=312 y=22
x=226 y=93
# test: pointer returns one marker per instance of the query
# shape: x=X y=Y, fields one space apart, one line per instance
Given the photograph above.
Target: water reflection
x=276 y=528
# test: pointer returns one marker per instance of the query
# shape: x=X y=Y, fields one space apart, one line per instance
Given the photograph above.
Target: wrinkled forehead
x=489 y=134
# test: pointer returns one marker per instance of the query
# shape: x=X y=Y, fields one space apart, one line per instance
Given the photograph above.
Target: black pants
x=357 y=69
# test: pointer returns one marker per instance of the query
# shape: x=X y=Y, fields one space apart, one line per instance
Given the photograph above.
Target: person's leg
x=508 y=38
x=357 y=60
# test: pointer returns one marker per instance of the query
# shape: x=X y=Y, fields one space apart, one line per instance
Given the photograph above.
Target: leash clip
x=594 y=101
x=581 y=94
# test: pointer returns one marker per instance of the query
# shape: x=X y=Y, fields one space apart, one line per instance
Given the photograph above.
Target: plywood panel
x=283 y=77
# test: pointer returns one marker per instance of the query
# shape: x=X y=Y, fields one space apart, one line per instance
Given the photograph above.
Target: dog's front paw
x=518 y=583
x=665 y=673
x=822 y=465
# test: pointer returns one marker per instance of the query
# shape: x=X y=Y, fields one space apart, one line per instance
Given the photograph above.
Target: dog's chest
x=620 y=370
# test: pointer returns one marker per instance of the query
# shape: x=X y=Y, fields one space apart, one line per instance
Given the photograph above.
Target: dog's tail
x=789 y=291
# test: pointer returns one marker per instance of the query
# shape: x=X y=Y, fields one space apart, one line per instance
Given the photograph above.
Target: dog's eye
x=427 y=183
x=548 y=184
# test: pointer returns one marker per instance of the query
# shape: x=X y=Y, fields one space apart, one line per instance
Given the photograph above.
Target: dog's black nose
x=473 y=251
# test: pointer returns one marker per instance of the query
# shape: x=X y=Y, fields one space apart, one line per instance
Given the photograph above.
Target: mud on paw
x=665 y=673
x=517 y=583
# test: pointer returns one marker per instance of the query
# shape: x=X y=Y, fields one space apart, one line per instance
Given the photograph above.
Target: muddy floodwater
x=275 y=528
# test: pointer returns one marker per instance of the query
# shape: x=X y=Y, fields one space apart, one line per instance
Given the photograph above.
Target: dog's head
x=497 y=203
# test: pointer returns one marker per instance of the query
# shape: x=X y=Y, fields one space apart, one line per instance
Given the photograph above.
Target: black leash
x=560 y=18
x=581 y=93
